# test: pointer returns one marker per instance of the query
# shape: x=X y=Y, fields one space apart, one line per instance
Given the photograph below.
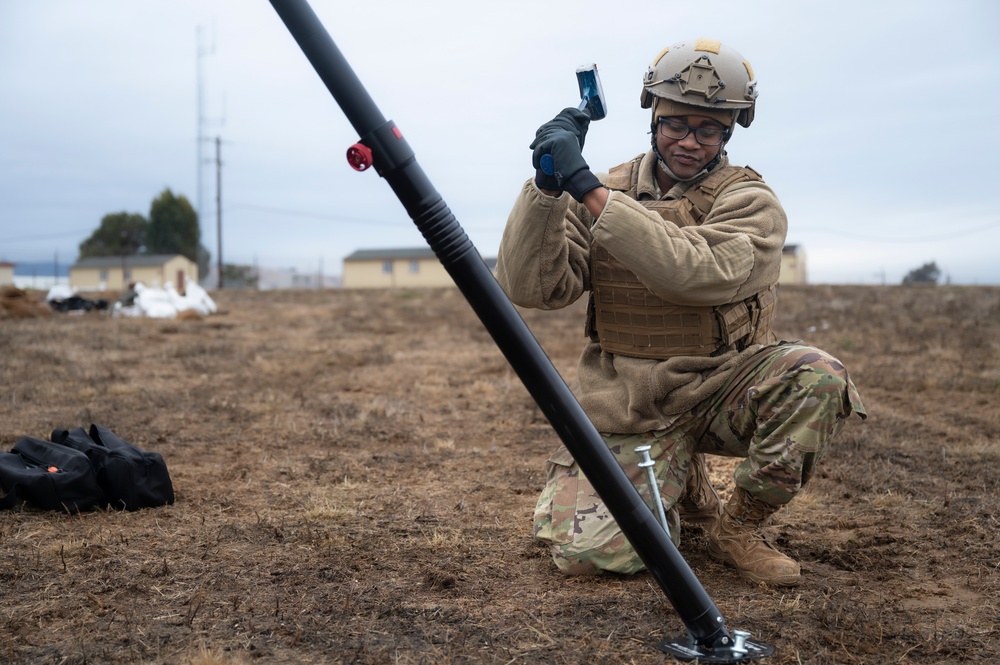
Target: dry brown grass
x=355 y=475
x=16 y=303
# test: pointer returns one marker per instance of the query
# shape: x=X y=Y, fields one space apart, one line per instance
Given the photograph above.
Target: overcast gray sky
x=876 y=122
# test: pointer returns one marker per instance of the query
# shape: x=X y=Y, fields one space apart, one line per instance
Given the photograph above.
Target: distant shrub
x=928 y=273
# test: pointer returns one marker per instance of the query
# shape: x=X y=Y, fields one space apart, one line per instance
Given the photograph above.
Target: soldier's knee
x=571 y=566
x=817 y=378
x=573 y=561
x=834 y=390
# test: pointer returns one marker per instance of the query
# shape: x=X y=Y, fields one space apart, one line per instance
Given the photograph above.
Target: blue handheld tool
x=591 y=102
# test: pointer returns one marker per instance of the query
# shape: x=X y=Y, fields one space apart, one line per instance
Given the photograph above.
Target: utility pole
x=201 y=52
x=218 y=200
x=203 y=139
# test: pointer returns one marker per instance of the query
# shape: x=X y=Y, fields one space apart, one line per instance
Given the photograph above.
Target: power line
x=313 y=215
x=336 y=218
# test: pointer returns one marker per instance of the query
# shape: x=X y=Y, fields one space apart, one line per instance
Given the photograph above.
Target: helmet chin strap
x=666 y=169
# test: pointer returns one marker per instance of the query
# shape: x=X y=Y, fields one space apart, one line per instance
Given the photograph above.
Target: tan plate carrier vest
x=627 y=318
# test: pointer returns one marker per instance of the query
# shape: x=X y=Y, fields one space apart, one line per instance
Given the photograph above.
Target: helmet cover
x=702 y=73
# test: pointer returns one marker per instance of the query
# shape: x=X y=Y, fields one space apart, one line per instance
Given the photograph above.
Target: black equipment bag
x=49 y=476
x=131 y=477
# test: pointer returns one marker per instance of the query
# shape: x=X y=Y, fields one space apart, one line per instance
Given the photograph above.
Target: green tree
x=120 y=234
x=928 y=273
x=173 y=226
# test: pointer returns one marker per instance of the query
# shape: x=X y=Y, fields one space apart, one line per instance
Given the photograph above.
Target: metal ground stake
x=649 y=465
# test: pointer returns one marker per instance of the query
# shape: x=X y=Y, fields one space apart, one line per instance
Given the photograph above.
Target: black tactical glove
x=571 y=120
x=546 y=181
x=571 y=172
x=558 y=148
x=580 y=183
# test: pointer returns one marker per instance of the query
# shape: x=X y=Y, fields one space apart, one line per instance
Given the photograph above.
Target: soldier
x=680 y=253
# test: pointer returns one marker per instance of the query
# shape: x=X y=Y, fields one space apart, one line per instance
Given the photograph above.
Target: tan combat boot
x=736 y=539
x=699 y=504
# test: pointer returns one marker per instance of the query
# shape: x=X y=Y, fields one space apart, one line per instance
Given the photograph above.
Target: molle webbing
x=630 y=320
x=702 y=196
x=624 y=177
x=627 y=318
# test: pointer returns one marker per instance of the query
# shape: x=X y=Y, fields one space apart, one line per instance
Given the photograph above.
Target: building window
x=104 y=276
x=387 y=267
x=414 y=267
x=128 y=274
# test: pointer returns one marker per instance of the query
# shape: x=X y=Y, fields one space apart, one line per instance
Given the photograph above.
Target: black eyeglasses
x=675 y=131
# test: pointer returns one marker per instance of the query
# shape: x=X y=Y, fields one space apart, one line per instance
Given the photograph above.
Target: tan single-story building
x=419 y=267
x=793 y=265
x=391 y=268
x=6 y=273
x=102 y=273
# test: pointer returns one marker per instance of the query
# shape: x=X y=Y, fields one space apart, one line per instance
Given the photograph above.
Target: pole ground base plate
x=684 y=649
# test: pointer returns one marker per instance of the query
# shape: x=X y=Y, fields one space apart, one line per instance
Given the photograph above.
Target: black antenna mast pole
x=382 y=145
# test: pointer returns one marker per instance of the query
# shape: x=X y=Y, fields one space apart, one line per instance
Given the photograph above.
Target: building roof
x=385 y=254
x=132 y=260
x=402 y=254
x=7 y=264
x=790 y=249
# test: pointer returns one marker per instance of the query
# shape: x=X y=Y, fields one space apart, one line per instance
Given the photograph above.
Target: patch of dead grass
x=356 y=472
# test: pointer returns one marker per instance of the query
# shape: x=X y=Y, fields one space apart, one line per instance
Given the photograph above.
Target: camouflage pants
x=778 y=411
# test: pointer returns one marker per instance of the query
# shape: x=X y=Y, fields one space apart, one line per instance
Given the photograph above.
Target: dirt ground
x=355 y=475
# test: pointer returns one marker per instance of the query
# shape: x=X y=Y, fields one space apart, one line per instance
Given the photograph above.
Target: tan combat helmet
x=702 y=73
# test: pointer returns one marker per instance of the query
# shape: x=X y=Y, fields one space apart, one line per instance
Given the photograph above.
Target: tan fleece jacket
x=543 y=263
